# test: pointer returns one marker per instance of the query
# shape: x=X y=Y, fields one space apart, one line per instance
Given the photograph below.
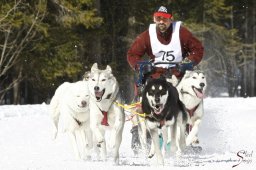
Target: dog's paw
x=151 y=155
x=111 y=145
x=78 y=157
x=54 y=134
x=89 y=146
x=151 y=152
x=99 y=143
x=196 y=140
x=178 y=153
x=189 y=140
x=112 y=142
x=173 y=148
x=160 y=160
x=192 y=140
x=86 y=157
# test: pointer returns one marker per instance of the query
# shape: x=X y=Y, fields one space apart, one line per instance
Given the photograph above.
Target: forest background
x=44 y=43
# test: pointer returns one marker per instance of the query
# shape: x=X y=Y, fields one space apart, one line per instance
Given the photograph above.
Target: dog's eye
x=202 y=77
x=194 y=77
x=93 y=79
x=103 y=80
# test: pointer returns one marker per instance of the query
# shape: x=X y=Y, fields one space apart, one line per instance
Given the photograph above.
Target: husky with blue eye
x=163 y=109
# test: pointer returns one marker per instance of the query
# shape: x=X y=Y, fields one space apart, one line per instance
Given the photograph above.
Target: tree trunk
x=253 y=51
x=16 y=93
x=96 y=44
x=16 y=79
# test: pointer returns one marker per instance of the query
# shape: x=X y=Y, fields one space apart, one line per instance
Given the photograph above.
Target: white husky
x=104 y=113
x=69 y=110
x=191 y=92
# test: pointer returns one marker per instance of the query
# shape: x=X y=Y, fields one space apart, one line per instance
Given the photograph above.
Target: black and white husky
x=161 y=104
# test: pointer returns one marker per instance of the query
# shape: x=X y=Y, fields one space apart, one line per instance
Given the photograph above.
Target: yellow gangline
x=126 y=107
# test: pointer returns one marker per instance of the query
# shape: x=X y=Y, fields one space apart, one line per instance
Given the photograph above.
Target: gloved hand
x=148 y=68
x=186 y=64
x=145 y=69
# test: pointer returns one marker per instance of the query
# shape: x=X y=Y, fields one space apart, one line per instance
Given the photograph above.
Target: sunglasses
x=158 y=19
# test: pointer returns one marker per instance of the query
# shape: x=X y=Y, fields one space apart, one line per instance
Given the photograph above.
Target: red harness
x=105 y=118
x=191 y=113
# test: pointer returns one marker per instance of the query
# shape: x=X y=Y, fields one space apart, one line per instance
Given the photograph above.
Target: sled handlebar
x=143 y=63
x=167 y=63
x=146 y=67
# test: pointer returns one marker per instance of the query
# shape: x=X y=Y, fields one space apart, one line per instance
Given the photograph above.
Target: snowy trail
x=228 y=127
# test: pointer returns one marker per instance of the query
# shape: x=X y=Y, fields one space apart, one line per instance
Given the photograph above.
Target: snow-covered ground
x=227 y=135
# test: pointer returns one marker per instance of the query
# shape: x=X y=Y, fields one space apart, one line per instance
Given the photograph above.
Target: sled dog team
x=88 y=109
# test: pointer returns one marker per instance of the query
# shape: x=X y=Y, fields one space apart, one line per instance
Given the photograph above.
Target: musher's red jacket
x=191 y=48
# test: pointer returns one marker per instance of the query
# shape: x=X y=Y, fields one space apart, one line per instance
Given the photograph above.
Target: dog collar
x=77 y=121
x=161 y=121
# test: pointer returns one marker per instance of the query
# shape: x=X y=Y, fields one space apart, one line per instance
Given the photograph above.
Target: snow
x=227 y=128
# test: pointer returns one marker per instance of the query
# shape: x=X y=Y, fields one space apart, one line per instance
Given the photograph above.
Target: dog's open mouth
x=99 y=94
x=158 y=108
x=199 y=92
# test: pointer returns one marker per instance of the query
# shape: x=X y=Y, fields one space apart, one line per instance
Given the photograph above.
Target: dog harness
x=77 y=121
x=161 y=121
x=105 y=118
x=190 y=112
x=166 y=53
x=104 y=121
x=105 y=114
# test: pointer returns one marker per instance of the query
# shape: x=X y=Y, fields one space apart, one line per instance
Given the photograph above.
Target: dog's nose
x=157 y=99
x=202 y=85
x=83 y=103
x=96 y=88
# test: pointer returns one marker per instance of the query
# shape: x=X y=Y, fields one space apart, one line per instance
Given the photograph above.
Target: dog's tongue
x=199 y=94
x=158 y=110
x=99 y=94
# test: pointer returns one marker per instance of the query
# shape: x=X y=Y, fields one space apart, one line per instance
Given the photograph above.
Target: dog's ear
x=187 y=73
x=109 y=69
x=196 y=68
x=174 y=80
x=86 y=75
x=94 y=67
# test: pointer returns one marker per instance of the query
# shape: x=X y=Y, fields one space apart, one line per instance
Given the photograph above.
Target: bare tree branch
x=15 y=39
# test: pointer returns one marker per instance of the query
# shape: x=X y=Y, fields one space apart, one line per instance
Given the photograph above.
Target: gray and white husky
x=105 y=115
x=163 y=109
x=191 y=92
